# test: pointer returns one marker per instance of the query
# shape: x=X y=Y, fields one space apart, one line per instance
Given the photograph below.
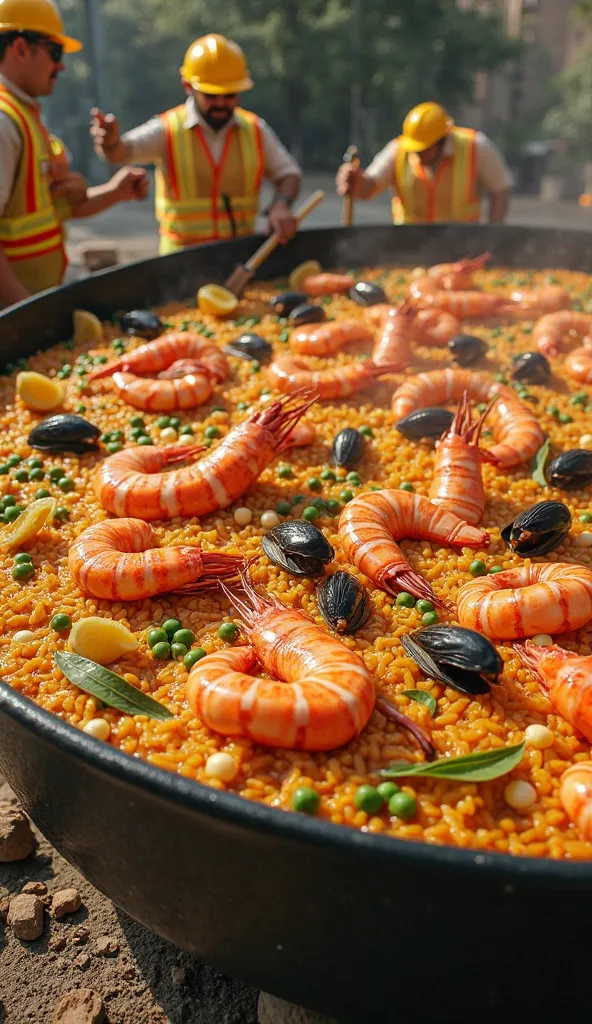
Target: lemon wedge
x=28 y=524
x=39 y=392
x=301 y=272
x=101 y=640
x=216 y=301
x=88 y=329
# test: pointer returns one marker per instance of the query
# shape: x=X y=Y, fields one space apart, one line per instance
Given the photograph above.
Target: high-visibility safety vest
x=199 y=201
x=450 y=194
x=31 y=232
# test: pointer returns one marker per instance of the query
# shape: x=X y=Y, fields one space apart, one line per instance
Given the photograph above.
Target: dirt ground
x=142 y=979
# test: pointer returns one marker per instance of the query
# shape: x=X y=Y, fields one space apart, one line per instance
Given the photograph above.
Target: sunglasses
x=55 y=50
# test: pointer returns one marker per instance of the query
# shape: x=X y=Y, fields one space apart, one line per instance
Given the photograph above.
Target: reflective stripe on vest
x=449 y=195
x=30 y=226
x=190 y=187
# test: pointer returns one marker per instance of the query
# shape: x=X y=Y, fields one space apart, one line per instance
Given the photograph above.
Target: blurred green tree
x=571 y=118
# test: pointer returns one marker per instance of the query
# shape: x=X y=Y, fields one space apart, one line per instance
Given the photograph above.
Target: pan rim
x=196 y=797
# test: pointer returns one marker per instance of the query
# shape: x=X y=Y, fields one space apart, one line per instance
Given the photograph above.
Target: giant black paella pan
x=358 y=926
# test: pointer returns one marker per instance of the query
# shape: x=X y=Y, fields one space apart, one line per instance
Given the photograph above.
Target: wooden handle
x=349 y=157
x=270 y=244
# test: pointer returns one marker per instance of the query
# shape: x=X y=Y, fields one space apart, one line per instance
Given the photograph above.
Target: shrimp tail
x=402 y=577
x=180 y=453
x=109 y=370
x=216 y=567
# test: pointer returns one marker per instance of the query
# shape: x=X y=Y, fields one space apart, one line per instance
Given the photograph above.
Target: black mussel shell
x=250 y=346
x=538 y=529
x=285 y=302
x=343 y=602
x=307 y=314
x=571 y=469
x=142 y=322
x=461 y=658
x=531 y=368
x=466 y=349
x=298 y=547
x=64 y=433
x=348 y=447
x=365 y=293
x=430 y=422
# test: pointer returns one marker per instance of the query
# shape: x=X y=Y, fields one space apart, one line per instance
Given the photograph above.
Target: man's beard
x=217 y=122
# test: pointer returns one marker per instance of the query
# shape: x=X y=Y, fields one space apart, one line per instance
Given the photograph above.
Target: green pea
x=137 y=421
x=255 y=366
x=184 y=636
x=314 y=483
x=12 y=513
x=13 y=460
x=80 y=407
x=21 y=557
x=178 y=651
x=217 y=408
x=211 y=432
x=117 y=435
x=429 y=619
x=56 y=473
x=366 y=431
x=306 y=800
x=565 y=418
x=137 y=432
x=403 y=805
x=387 y=790
x=175 y=422
x=7 y=501
x=298 y=499
x=328 y=474
x=171 y=626
x=284 y=335
x=228 y=631
x=552 y=410
x=368 y=799
x=283 y=508
x=61 y=622
x=500 y=378
x=310 y=513
x=157 y=636
x=333 y=506
x=4 y=470
x=319 y=503
x=144 y=439
x=24 y=571
x=405 y=600
x=163 y=421
x=477 y=568
x=424 y=606
x=41 y=493
x=354 y=478
x=162 y=651
x=586 y=517
x=36 y=474
x=285 y=472
x=579 y=399
x=346 y=496
x=34 y=463
x=186 y=429
x=114 y=446
x=61 y=513
x=481 y=407
x=21 y=476
x=405 y=486
x=495 y=569
x=241 y=406
x=193 y=656
x=66 y=484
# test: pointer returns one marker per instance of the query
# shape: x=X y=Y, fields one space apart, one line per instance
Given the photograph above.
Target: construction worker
x=439 y=172
x=210 y=154
x=37 y=189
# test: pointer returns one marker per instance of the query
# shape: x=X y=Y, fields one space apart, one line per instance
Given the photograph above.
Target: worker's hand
x=282 y=220
x=348 y=178
x=71 y=187
x=104 y=130
x=130 y=183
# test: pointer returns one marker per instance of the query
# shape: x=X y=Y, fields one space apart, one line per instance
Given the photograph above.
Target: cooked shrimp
x=393 y=347
x=579 y=364
x=327 y=284
x=325 y=339
x=165 y=395
x=371 y=523
x=457 y=484
x=119 y=560
x=132 y=482
x=320 y=694
x=567 y=677
x=516 y=431
x=538 y=301
x=545 y=598
x=430 y=326
x=458 y=275
x=575 y=793
x=552 y=330
x=290 y=375
x=466 y=305
x=150 y=359
x=301 y=435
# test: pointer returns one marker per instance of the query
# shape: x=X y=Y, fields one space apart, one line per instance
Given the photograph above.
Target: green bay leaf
x=482 y=766
x=540 y=461
x=110 y=688
x=423 y=697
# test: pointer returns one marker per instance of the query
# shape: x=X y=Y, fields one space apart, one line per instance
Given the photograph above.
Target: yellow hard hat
x=40 y=16
x=216 y=65
x=423 y=126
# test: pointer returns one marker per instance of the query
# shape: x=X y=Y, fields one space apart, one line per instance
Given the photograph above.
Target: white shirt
x=146 y=143
x=493 y=174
